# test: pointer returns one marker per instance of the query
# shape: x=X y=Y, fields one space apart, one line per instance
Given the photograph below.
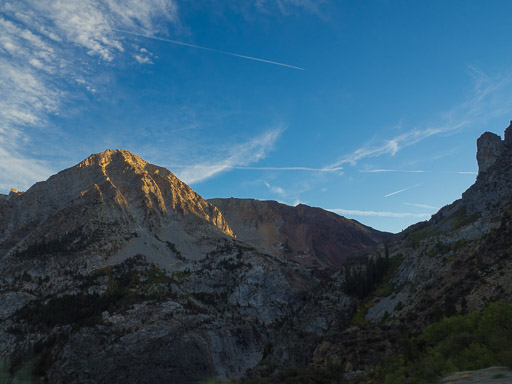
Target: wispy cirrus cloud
x=426 y=206
x=48 y=48
x=390 y=170
x=17 y=171
x=491 y=96
x=392 y=146
x=305 y=169
x=230 y=157
x=398 y=215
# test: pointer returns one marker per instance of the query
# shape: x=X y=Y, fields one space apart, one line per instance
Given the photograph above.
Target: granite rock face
x=489 y=148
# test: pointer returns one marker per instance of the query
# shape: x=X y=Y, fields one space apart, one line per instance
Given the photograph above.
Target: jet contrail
x=402 y=190
x=209 y=49
x=291 y=169
x=269 y=168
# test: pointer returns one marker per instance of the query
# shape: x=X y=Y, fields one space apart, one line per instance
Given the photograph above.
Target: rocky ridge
x=457 y=262
x=307 y=235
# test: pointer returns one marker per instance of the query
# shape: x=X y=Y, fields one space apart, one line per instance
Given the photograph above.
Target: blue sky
x=375 y=117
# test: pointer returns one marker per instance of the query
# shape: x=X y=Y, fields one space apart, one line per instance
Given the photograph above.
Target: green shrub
x=459 y=343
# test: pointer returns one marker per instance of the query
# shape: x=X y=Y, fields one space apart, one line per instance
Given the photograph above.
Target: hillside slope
x=308 y=235
x=457 y=262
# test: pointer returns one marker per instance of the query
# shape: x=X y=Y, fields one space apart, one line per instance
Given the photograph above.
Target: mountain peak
x=114 y=156
x=109 y=188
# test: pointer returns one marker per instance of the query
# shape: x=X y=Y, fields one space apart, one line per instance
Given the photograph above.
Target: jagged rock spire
x=508 y=135
x=489 y=148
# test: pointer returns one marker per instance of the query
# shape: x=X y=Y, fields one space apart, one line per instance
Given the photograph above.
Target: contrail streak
x=209 y=49
x=402 y=190
x=307 y=169
x=357 y=212
x=291 y=169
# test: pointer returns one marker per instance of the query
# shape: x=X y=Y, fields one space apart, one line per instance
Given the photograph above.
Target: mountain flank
x=308 y=235
x=114 y=270
x=456 y=264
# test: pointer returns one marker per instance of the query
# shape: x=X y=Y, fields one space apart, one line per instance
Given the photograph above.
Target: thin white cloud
x=307 y=169
x=90 y=24
x=398 y=215
x=490 y=97
x=390 y=170
x=275 y=189
x=392 y=146
x=228 y=158
x=422 y=206
x=143 y=59
x=410 y=171
x=402 y=190
x=19 y=172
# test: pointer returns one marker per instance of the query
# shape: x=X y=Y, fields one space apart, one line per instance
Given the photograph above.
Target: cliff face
x=489 y=148
x=463 y=251
x=310 y=236
x=458 y=261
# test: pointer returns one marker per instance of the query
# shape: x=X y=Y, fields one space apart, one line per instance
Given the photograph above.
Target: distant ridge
x=308 y=235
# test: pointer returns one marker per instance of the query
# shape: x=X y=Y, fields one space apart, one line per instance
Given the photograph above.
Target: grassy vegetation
x=442 y=249
x=360 y=315
x=467 y=342
x=416 y=237
x=460 y=218
x=452 y=222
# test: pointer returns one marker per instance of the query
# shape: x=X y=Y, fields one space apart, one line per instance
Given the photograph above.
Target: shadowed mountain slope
x=457 y=262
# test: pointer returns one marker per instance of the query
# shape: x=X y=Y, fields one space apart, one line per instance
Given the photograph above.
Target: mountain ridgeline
x=114 y=270
x=310 y=236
